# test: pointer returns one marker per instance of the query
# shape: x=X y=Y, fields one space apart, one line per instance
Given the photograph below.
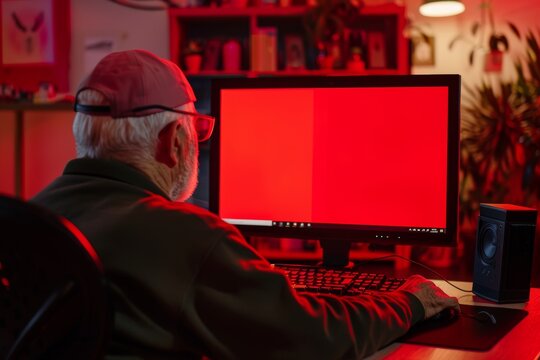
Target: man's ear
x=168 y=144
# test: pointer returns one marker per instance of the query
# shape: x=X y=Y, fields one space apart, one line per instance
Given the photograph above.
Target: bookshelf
x=203 y=24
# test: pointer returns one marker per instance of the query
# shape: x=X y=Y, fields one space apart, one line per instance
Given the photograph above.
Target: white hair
x=132 y=140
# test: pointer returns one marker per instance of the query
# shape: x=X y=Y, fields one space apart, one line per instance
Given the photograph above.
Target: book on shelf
x=264 y=49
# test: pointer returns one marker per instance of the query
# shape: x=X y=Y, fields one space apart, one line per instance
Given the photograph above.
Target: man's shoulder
x=159 y=203
x=184 y=213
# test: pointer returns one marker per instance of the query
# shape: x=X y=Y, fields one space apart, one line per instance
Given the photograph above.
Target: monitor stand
x=336 y=253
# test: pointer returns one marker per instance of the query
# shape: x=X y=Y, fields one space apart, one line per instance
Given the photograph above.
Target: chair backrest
x=53 y=298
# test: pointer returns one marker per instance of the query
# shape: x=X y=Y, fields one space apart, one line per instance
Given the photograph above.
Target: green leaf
x=514 y=30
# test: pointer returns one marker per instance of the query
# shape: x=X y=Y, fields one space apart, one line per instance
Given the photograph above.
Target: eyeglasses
x=204 y=124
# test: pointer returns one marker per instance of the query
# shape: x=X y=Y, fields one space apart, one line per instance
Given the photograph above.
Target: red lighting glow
x=83 y=241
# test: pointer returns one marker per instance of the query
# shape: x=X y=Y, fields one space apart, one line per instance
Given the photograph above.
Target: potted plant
x=326 y=23
x=500 y=142
x=193 y=56
x=488 y=38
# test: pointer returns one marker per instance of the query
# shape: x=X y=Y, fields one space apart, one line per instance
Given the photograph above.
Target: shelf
x=261 y=11
x=318 y=72
x=213 y=26
x=220 y=12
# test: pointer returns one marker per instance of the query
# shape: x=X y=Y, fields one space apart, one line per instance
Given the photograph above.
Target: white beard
x=186 y=173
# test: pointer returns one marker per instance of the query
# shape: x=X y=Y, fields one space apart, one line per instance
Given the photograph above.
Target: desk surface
x=522 y=342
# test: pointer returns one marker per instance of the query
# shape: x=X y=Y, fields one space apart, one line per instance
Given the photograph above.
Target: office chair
x=53 y=299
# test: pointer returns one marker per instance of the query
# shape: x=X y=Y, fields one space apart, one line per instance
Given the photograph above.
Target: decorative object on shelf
x=295 y=58
x=356 y=42
x=232 y=55
x=500 y=151
x=324 y=61
x=497 y=41
x=441 y=8
x=27 y=32
x=355 y=62
x=336 y=51
x=326 y=23
x=9 y=93
x=212 y=53
x=193 y=57
x=45 y=93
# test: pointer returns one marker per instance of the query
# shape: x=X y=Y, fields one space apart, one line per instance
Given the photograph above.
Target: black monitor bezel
x=452 y=81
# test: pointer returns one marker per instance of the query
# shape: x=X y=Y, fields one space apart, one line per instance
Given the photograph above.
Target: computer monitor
x=339 y=159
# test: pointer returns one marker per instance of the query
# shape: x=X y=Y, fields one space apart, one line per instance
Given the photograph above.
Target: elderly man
x=184 y=283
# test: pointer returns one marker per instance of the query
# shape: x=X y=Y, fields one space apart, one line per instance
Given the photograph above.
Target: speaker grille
x=488 y=242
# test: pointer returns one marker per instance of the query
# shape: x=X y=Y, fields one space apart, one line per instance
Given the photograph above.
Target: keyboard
x=316 y=279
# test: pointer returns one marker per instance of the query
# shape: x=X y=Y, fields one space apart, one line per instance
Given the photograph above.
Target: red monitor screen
x=356 y=157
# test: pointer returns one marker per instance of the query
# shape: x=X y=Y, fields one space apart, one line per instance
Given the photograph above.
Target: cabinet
x=36 y=141
x=380 y=28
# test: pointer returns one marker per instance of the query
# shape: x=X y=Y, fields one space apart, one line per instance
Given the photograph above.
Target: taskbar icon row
x=427 y=230
x=291 y=224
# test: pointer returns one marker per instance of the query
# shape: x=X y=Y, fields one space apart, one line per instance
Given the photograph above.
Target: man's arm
x=241 y=308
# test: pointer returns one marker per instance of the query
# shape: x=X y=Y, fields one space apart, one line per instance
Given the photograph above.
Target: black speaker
x=504 y=252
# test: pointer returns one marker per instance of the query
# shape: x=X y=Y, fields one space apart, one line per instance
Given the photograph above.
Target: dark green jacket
x=185 y=283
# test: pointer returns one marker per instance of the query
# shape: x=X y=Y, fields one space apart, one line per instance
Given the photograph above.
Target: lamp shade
x=440 y=8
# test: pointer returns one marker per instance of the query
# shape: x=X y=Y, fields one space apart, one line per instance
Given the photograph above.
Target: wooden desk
x=522 y=342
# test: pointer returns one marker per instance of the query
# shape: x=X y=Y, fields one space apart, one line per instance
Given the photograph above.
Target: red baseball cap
x=136 y=83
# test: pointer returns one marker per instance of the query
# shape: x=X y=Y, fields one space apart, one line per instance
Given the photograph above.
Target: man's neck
x=160 y=175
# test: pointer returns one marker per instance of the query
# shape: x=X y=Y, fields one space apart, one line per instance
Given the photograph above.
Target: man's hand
x=432 y=298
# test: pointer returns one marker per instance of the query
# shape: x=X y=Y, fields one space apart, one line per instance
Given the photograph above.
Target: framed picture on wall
x=376 y=50
x=27 y=32
x=295 y=58
x=423 y=50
